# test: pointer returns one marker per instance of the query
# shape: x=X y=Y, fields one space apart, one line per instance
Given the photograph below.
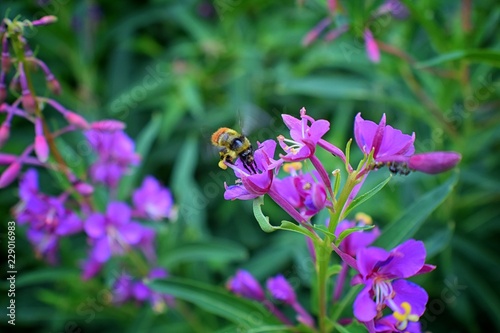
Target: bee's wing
x=252 y=118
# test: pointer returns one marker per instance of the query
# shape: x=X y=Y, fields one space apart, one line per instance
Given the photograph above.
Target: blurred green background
x=176 y=71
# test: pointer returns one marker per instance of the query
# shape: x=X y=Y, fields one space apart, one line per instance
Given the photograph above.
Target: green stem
x=336 y=215
x=323 y=251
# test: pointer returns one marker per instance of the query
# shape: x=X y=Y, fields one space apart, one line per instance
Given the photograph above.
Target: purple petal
x=318 y=129
x=118 y=212
x=95 y=225
x=368 y=258
x=131 y=232
x=406 y=259
x=70 y=225
x=140 y=291
x=238 y=192
x=365 y=309
x=412 y=293
x=259 y=183
x=291 y=122
x=364 y=132
x=101 y=251
x=244 y=284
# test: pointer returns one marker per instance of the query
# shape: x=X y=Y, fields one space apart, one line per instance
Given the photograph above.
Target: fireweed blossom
x=383 y=274
x=113 y=233
x=153 y=201
x=115 y=153
x=302 y=190
x=395 y=149
x=47 y=218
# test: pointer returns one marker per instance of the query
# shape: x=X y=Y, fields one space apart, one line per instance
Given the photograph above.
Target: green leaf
x=491 y=57
x=412 y=219
x=144 y=143
x=263 y=220
x=324 y=229
x=365 y=196
x=247 y=314
x=287 y=225
x=214 y=250
x=45 y=275
x=334 y=270
x=354 y=327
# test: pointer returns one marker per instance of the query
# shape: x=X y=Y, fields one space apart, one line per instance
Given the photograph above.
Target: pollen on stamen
x=363 y=218
x=292 y=166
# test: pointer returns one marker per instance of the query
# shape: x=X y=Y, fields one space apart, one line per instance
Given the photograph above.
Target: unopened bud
x=3 y=93
x=54 y=85
x=108 y=125
x=434 y=162
x=10 y=174
x=6 y=159
x=76 y=120
x=29 y=102
x=45 y=20
x=4 y=133
x=84 y=189
x=41 y=148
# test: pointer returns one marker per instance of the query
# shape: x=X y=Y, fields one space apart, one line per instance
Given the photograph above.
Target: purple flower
x=257 y=184
x=113 y=232
x=388 y=144
x=153 y=201
x=383 y=275
x=434 y=162
x=47 y=217
x=305 y=137
x=115 y=151
x=245 y=285
x=302 y=191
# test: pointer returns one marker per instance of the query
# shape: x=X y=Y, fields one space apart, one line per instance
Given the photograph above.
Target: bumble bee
x=232 y=145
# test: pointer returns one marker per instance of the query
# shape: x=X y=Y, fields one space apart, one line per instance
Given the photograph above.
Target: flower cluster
x=87 y=204
x=387 y=301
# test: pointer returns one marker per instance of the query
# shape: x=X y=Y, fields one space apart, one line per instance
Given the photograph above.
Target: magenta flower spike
x=27 y=99
x=153 y=201
x=244 y=284
x=434 y=162
x=383 y=275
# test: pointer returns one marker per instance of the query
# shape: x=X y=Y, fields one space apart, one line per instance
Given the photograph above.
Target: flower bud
x=108 y=125
x=29 y=102
x=244 y=284
x=434 y=162
x=41 y=148
x=10 y=174
x=48 y=19
x=3 y=93
x=76 y=120
x=372 y=49
x=84 y=189
x=7 y=159
x=281 y=290
x=4 y=133
x=54 y=85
